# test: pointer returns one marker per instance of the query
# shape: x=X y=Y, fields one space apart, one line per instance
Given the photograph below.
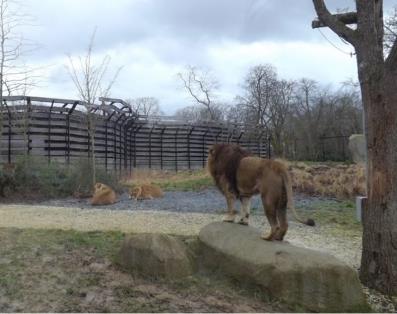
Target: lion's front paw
x=228 y=218
x=243 y=221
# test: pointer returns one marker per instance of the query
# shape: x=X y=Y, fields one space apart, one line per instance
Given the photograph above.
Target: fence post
x=49 y=132
x=9 y=131
x=203 y=146
x=150 y=147
x=176 y=149
x=29 y=111
x=239 y=138
x=188 y=147
x=217 y=135
x=161 y=147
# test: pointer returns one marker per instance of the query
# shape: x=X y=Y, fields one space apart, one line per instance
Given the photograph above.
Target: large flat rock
x=299 y=276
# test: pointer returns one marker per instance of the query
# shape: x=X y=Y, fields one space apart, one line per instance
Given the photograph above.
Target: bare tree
x=259 y=87
x=89 y=80
x=15 y=76
x=377 y=74
x=309 y=110
x=202 y=87
x=279 y=109
x=146 y=106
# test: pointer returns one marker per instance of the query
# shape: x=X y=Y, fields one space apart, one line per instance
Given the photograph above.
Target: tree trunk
x=378 y=79
x=379 y=256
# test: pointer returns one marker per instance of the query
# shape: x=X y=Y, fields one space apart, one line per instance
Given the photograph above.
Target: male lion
x=146 y=191
x=103 y=195
x=239 y=175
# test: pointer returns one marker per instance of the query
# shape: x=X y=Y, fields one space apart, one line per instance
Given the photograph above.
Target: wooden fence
x=57 y=129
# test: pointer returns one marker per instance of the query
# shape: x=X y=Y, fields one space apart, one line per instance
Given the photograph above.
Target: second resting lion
x=238 y=175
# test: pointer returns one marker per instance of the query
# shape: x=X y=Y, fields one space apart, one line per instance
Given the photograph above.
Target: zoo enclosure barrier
x=324 y=148
x=58 y=130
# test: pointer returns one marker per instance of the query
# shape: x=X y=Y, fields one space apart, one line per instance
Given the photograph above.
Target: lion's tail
x=290 y=199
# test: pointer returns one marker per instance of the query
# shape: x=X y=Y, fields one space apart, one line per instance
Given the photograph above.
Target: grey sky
x=155 y=39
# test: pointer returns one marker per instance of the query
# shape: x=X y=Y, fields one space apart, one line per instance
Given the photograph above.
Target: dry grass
x=340 y=181
x=335 y=180
x=185 y=180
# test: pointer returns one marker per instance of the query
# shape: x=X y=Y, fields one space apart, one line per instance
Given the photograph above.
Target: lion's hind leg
x=270 y=211
x=231 y=212
x=245 y=211
x=283 y=223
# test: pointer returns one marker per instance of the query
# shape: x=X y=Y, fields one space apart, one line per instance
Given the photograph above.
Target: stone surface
x=357 y=148
x=305 y=278
x=156 y=255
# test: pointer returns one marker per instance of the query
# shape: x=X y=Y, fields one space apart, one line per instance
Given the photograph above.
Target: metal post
x=106 y=138
x=120 y=140
x=239 y=138
x=135 y=146
x=176 y=149
x=161 y=147
x=49 y=132
x=150 y=147
x=258 y=147
x=188 y=147
x=29 y=110
x=217 y=135
x=203 y=146
x=9 y=131
x=70 y=111
x=114 y=146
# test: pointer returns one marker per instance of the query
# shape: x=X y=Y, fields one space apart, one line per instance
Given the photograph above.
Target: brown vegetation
x=340 y=181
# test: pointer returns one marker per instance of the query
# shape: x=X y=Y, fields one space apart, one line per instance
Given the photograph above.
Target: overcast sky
x=155 y=39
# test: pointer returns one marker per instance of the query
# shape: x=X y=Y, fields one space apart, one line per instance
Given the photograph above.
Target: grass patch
x=71 y=271
x=338 y=216
x=171 y=181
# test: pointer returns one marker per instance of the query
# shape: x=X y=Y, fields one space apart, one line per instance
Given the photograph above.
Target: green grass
x=171 y=181
x=338 y=216
x=188 y=184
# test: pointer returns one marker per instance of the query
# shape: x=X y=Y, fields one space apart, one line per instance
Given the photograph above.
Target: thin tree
x=377 y=73
x=89 y=79
x=202 y=87
x=15 y=76
x=146 y=106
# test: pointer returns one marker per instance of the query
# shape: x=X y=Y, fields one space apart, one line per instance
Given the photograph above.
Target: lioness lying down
x=146 y=191
x=103 y=195
x=240 y=176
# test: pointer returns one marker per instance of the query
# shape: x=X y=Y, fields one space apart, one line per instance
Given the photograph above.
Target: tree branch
x=336 y=25
x=391 y=61
x=345 y=18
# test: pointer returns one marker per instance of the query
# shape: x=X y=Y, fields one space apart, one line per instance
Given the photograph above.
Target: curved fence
x=58 y=129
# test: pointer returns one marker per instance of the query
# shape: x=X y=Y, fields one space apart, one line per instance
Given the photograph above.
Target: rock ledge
x=313 y=280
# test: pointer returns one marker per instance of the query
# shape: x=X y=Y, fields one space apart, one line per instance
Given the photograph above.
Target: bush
x=80 y=178
x=34 y=176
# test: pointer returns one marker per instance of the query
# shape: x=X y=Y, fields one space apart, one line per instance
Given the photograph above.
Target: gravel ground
x=182 y=213
x=206 y=201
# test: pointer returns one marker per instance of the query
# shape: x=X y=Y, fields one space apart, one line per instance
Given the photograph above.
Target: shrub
x=34 y=176
x=80 y=178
